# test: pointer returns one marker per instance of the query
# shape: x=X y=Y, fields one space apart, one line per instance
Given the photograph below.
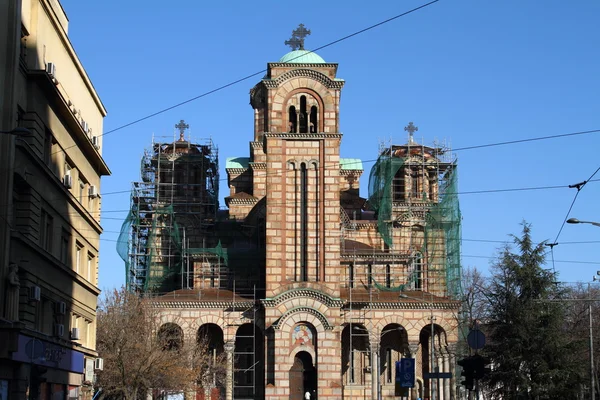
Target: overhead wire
x=262 y=71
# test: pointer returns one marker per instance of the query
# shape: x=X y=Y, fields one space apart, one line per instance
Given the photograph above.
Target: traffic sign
x=476 y=339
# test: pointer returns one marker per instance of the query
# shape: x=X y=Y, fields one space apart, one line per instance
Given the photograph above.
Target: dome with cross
x=302 y=57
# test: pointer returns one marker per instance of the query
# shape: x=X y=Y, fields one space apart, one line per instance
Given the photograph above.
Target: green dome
x=302 y=57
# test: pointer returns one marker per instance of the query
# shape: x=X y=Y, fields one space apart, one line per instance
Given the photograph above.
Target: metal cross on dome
x=411 y=128
x=182 y=126
x=297 y=40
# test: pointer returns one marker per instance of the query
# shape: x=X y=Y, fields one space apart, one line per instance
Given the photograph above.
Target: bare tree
x=141 y=355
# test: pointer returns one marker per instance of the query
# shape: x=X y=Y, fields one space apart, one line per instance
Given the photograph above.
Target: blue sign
x=40 y=352
x=405 y=372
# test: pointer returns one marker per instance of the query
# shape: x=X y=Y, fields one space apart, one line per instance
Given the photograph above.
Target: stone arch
x=209 y=319
x=303 y=314
x=297 y=350
x=391 y=319
x=318 y=96
x=175 y=318
x=440 y=321
x=306 y=73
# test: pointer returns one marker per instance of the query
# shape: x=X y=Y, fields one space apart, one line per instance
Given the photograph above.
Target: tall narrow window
x=388 y=276
x=81 y=191
x=293 y=120
x=303 y=223
x=351 y=274
x=369 y=275
x=78 y=251
x=314 y=126
x=414 y=178
x=417 y=268
x=46 y=225
x=90 y=268
x=64 y=247
x=398 y=186
x=303 y=115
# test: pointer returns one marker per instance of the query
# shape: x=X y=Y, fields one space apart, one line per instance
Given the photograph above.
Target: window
x=351 y=275
x=388 y=276
x=81 y=190
x=78 y=258
x=369 y=275
x=90 y=268
x=414 y=178
x=46 y=224
x=417 y=268
x=65 y=240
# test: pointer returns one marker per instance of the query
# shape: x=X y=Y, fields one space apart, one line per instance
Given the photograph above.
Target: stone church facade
x=306 y=285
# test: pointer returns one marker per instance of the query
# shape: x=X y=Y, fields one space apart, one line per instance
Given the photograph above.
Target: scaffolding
x=165 y=240
x=413 y=192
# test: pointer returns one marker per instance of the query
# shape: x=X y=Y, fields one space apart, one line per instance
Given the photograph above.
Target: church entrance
x=303 y=377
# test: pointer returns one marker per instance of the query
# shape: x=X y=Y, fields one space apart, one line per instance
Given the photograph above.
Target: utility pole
x=592 y=379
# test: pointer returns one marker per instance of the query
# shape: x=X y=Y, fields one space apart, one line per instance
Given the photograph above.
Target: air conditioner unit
x=35 y=293
x=98 y=364
x=93 y=192
x=75 y=334
x=51 y=69
x=85 y=126
x=68 y=181
x=59 y=330
x=61 y=308
x=96 y=142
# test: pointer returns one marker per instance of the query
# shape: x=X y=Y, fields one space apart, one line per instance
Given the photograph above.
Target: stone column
x=229 y=348
x=440 y=363
x=374 y=340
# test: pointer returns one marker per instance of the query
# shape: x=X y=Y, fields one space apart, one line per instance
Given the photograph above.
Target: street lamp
x=576 y=221
x=592 y=377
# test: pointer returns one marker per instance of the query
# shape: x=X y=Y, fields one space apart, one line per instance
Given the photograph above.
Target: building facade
x=51 y=145
x=305 y=285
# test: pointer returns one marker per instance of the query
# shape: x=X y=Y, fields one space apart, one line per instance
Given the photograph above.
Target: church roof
x=237 y=162
x=351 y=164
x=302 y=57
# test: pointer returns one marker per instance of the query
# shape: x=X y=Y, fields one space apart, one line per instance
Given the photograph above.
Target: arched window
x=293 y=120
x=417 y=271
x=414 y=178
x=388 y=275
x=314 y=126
x=170 y=336
x=303 y=222
x=303 y=115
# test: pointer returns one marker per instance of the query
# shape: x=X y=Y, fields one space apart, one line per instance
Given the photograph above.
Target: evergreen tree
x=532 y=354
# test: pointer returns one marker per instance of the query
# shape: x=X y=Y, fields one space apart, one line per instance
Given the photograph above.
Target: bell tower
x=297 y=143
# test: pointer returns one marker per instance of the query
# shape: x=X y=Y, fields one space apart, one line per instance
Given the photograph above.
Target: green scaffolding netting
x=442 y=222
x=150 y=245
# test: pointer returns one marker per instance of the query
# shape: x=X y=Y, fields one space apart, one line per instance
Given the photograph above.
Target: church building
x=306 y=286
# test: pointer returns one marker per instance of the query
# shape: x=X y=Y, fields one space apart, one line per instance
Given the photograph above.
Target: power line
x=577 y=186
x=262 y=71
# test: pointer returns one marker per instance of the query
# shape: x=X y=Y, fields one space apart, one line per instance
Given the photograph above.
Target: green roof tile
x=237 y=162
x=351 y=164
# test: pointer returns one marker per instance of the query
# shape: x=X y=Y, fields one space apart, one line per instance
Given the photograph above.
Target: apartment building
x=51 y=144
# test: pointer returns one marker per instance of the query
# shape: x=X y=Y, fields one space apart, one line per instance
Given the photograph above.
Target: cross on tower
x=410 y=128
x=182 y=126
x=297 y=40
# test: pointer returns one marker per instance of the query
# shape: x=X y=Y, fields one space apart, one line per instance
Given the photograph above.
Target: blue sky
x=465 y=71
